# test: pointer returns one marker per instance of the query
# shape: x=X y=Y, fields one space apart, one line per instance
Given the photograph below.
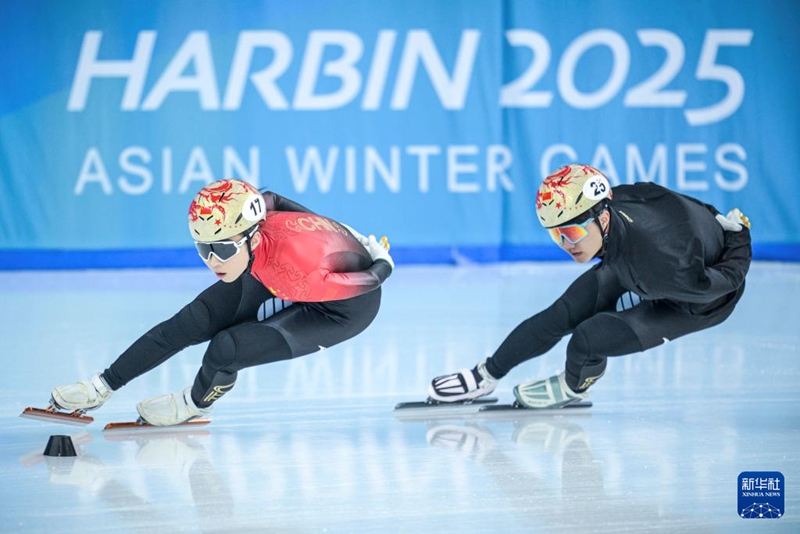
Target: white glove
x=379 y=250
x=734 y=222
x=364 y=240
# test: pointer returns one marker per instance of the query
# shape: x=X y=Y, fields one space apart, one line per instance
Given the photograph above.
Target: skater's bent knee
x=603 y=335
x=221 y=351
x=193 y=322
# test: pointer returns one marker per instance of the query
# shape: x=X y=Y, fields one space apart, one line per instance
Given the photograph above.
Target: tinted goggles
x=223 y=250
x=571 y=232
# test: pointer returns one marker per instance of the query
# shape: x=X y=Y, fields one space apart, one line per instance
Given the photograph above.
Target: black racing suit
x=246 y=326
x=666 y=248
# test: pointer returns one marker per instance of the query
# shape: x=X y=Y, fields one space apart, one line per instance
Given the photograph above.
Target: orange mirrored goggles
x=571 y=232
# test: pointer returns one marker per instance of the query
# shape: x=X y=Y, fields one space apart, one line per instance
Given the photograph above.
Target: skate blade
x=430 y=410
x=430 y=403
x=53 y=416
x=141 y=426
x=573 y=407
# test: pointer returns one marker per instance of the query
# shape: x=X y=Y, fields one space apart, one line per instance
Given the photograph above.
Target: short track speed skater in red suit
x=289 y=282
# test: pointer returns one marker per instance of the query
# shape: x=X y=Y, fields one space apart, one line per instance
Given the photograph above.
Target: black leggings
x=587 y=310
x=246 y=326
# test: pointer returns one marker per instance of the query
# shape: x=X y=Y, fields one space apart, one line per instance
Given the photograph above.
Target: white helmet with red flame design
x=224 y=209
x=569 y=192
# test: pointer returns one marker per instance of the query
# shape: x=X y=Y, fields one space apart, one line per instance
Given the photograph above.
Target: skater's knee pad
x=605 y=334
x=221 y=352
x=592 y=342
x=193 y=323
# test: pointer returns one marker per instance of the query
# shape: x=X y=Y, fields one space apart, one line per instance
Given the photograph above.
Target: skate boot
x=551 y=392
x=170 y=409
x=85 y=395
x=464 y=386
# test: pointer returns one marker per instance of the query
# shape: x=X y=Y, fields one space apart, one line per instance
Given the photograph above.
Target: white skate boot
x=463 y=386
x=170 y=409
x=551 y=392
x=85 y=395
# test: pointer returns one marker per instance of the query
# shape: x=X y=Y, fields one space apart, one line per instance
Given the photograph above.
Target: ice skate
x=171 y=409
x=464 y=386
x=549 y=393
x=85 y=395
x=68 y=404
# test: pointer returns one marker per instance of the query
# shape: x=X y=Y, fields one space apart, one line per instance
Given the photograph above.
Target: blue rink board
x=172 y=258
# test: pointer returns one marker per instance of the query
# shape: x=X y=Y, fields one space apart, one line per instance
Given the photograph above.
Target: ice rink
x=313 y=445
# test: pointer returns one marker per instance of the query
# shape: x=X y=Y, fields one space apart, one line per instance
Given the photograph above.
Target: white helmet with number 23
x=569 y=192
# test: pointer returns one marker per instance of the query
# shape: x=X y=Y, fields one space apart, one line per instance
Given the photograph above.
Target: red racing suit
x=304 y=257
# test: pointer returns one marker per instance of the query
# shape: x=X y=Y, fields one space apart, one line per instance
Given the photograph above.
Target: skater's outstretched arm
x=346 y=285
x=335 y=285
x=693 y=281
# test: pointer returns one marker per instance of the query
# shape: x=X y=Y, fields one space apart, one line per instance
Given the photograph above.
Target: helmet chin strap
x=604 y=231
x=250 y=254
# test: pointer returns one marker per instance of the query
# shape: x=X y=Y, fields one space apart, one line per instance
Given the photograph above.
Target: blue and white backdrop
x=430 y=121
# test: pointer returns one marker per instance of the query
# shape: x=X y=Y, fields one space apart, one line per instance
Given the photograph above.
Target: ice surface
x=313 y=445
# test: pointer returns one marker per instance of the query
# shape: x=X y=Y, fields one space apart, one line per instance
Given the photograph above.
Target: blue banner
x=432 y=122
